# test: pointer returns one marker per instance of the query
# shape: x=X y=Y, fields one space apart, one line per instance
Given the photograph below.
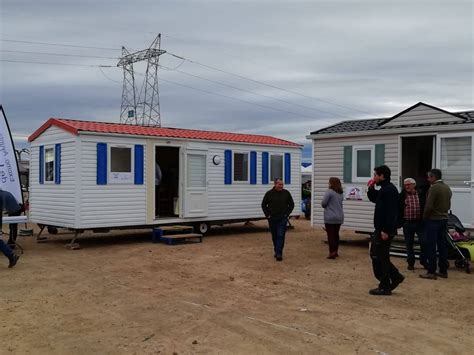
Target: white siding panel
x=243 y=200
x=50 y=203
x=328 y=156
x=111 y=205
x=54 y=135
x=422 y=114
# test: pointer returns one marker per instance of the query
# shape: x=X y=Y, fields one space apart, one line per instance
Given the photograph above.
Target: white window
x=456 y=160
x=276 y=167
x=196 y=170
x=121 y=164
x=363 y=163
x=241 y=166
x=49 y=164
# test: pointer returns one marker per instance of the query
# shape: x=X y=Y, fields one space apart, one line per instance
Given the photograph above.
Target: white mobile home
x=93 y=175
x=410 y=143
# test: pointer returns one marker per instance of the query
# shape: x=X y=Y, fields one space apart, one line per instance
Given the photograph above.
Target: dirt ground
x=122 y=294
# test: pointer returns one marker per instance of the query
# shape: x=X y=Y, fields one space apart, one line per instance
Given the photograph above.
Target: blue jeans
x=410 y=228
x=278 y=230
x=5 y=249
x=435 y=238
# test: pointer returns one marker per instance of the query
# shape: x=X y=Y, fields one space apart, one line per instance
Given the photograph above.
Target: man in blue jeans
x=277 y=204
x=438 y=204
x=5 y=249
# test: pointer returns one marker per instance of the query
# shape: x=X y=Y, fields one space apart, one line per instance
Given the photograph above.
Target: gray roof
x=378 y=123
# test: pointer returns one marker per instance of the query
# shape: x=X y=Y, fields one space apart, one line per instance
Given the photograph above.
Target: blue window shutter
x=347 y=166
x=57 y=164
x=228 y=167
x=139 y=164
x=253 y=168
x=379 y=154
x=287 y=168
x=101 y=164
x=41 y=164
x=265 y=168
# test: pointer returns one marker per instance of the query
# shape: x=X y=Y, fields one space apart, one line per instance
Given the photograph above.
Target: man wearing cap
x=412 y=204
x=435 y=215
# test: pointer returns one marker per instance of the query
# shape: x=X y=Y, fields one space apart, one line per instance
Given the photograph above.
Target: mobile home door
x=455 y=158
x=195 y=196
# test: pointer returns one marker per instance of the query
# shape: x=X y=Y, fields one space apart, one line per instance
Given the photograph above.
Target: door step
x=176 y=228
x=168 y=235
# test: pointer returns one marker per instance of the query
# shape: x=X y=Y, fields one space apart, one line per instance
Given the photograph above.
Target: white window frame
x=53 y=148
x=282 y=166
x=117 y=177
x=248 y=168
x=355 y=149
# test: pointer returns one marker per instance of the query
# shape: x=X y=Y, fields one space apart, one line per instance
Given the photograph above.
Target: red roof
x=75 y=127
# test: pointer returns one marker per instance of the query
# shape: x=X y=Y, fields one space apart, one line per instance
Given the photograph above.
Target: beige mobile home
x=95 y=175
x=410 y=143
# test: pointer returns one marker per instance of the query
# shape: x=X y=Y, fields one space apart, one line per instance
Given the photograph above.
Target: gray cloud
x=377 y=57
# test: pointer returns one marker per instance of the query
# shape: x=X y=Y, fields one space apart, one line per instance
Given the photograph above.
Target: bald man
x=412 y=204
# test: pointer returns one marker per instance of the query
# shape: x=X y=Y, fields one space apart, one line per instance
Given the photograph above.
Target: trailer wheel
x=52 y=230
x=202 y=227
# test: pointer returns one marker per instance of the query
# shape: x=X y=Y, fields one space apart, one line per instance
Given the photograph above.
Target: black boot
x=13 y=260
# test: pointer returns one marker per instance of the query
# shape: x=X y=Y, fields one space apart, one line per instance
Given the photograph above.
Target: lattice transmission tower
x=141 y=108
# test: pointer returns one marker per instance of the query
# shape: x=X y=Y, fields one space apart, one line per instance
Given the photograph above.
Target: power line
x=52 y=63
x=165 y=80
x=59 y=44
x=203 y=65
x=57 y=54
x=236 y=99
x=265 y=84
x=252 y=92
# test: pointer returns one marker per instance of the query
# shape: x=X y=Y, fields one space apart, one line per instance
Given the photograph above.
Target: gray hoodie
x=332 y=204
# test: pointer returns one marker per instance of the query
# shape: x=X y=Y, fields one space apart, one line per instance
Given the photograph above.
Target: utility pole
x=144 y=108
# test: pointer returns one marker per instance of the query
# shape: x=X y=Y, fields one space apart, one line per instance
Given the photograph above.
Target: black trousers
x=384 y=270
x=13 y=228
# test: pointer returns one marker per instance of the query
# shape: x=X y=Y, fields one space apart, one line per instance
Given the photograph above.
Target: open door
x=455 y=158
x=417 y=158
x=195 y=196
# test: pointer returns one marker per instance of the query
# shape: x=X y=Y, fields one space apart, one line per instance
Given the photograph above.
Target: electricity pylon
x=144 y=108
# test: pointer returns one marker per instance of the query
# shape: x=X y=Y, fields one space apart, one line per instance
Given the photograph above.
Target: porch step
x=172 y=238
x=175 y=228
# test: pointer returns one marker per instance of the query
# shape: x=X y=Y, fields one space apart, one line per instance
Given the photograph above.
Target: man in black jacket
x=385 y=224
x=277 y=204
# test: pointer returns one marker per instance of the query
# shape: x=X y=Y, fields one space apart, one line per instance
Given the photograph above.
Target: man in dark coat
x=385 y=224
x=277 y=204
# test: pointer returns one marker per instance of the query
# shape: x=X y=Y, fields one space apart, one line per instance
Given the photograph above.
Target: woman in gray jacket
x=333 y=214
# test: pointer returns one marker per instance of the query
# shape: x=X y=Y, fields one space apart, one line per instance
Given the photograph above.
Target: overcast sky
x=374 y=57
